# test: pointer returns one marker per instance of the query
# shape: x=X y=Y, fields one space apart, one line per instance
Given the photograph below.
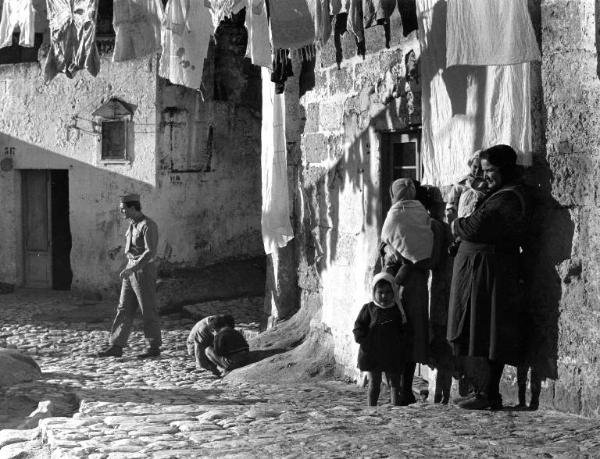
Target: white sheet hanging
x=276 y=226
x=186 y=30
x=489 y=32
x=466 y=108
x=259 y=44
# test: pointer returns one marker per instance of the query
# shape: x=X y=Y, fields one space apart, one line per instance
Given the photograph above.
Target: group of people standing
x=485 y=230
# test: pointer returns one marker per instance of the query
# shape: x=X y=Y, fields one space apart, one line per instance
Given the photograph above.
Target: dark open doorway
x=61 y=230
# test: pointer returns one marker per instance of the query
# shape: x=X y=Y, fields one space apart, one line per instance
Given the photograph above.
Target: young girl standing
x=382 y=333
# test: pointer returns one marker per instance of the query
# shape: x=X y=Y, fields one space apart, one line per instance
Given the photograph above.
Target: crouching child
x=230 y=349
x=201 y=337
x=382 y=333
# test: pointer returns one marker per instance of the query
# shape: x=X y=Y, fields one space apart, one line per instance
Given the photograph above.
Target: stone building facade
x=194 y=159
x=340 y=130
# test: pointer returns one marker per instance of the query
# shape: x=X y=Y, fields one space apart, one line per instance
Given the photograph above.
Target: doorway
x=46 y=229
x=400 y=158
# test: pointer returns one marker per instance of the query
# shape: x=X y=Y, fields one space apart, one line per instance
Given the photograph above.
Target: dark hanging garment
x=73 y=38
x=408 y=13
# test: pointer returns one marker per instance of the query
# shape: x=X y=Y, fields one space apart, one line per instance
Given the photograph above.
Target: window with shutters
x=114 y=139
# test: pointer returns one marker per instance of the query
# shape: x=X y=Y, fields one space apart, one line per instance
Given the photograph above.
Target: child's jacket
x=383 y=338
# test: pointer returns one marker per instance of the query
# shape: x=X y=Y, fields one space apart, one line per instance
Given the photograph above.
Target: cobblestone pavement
x=163 y=408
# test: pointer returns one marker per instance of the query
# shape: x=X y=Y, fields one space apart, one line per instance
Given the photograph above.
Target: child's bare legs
x=443 y=382
x=374 y=387
x=393 y=380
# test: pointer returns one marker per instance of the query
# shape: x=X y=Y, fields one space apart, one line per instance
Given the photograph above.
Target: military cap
x=131 y=197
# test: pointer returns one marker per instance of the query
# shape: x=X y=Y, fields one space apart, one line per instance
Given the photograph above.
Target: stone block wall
x=335 y=159
x=337 y=200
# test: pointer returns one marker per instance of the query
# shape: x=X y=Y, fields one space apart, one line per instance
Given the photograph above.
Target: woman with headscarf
x=485 y=307
x=381 y=331
x=407 y=241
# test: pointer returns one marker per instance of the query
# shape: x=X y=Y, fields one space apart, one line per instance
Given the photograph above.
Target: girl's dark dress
x=383 y=339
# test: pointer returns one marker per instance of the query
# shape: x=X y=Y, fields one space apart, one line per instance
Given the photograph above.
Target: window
x=114 y=139
x=400 y=158
x=114 y=122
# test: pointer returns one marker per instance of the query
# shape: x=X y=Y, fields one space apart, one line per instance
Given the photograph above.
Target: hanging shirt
x=377 y=11
x=259 y=46
x=137 y=28
x=275 y=220
x=186 y=31
x=467 y=108
x=73 y=38
x=17 y=13
x=221 y=9
x=489 y=32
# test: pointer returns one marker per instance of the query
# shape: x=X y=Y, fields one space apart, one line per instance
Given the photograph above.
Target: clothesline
x=181 y=30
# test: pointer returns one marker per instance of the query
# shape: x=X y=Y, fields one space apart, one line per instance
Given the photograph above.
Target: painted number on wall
x=9 y=151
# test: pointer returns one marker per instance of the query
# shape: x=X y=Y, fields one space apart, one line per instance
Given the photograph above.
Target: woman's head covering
x=473 y=157
x=384 y=277
x=403 y=190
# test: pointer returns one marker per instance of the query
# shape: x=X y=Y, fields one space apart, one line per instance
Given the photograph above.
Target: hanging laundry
x=137 y=28
x=282 y=70
x=275 y=220
x=221 y=9
x=489 y=32
x=339 y=29
x=259 y=46
x=186 y=31
x=292 y=24
x=408 y=15
x=355 y=25
x=73 y=38
x=17 y=13
x=338 y=6
x=377 y=12
x=322 y=19
x=466 y=108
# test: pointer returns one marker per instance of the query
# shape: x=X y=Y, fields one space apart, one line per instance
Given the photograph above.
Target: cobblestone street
x=163 y=408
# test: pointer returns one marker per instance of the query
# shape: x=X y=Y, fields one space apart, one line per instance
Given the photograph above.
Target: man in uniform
x=138 y=287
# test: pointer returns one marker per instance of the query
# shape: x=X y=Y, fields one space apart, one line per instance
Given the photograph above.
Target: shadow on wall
x=96 y=226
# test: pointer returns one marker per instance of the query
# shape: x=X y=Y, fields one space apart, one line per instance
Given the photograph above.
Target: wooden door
x=37 y=229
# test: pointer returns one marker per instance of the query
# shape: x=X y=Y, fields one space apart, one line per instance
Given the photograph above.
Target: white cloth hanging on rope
x=186 y=30
x=259 y=44
x=489 y=32
x=275 y=221
x=21 y=14
x=137 y=28
x=466 y=108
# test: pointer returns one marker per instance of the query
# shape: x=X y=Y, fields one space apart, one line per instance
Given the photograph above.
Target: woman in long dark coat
x=485 y=306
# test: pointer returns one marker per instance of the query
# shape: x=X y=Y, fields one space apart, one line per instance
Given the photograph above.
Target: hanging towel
x=275 y=221
x=489 y=32
x=377 y=11
x=355 y=20
x=466 y=108
x=186 y=31
x=73 y=38
x=259 y=46
x=137 y=28
x=17 y=13
x=221 y=9
x=292 y=24
x=408 y=14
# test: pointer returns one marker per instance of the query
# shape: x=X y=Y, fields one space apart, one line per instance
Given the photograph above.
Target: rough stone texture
x=203 y=191
x=337 y=192
x=337 y=209
x=16 y=367
x=163 y=408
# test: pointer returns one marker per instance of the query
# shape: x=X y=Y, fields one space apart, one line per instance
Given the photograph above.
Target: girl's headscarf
x=386 y=277
x=403 y=190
